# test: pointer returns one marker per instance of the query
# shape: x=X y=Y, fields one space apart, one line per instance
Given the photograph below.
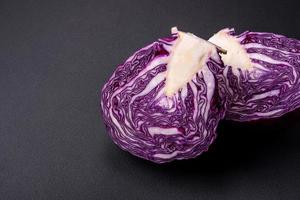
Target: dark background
x=54 y=58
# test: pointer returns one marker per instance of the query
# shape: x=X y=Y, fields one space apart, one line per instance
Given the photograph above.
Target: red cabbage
x=262 y=74
x=163 y=102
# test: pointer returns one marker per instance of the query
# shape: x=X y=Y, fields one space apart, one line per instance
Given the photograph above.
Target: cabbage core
x=187 y=57
x=236 y=55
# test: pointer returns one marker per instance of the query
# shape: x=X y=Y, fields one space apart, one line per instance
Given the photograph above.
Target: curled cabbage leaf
x=163 y=102
x=262 y=74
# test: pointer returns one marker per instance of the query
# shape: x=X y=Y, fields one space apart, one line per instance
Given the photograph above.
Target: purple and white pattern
x=271 y=87
x=142 y=120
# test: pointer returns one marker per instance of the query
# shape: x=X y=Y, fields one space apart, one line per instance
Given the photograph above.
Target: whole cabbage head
x=262 y=74
x=163 y=102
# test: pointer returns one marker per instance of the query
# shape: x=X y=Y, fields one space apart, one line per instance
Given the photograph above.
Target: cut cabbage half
x=262 y=73
x=163 y=103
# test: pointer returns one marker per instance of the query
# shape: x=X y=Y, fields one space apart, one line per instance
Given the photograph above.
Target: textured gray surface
x=54 y=58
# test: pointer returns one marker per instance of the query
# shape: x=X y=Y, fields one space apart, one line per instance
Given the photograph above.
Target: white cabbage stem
x=188 y=55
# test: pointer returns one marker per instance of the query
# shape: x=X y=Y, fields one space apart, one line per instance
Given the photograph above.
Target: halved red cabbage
x=262 y=74
x=163 y=103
